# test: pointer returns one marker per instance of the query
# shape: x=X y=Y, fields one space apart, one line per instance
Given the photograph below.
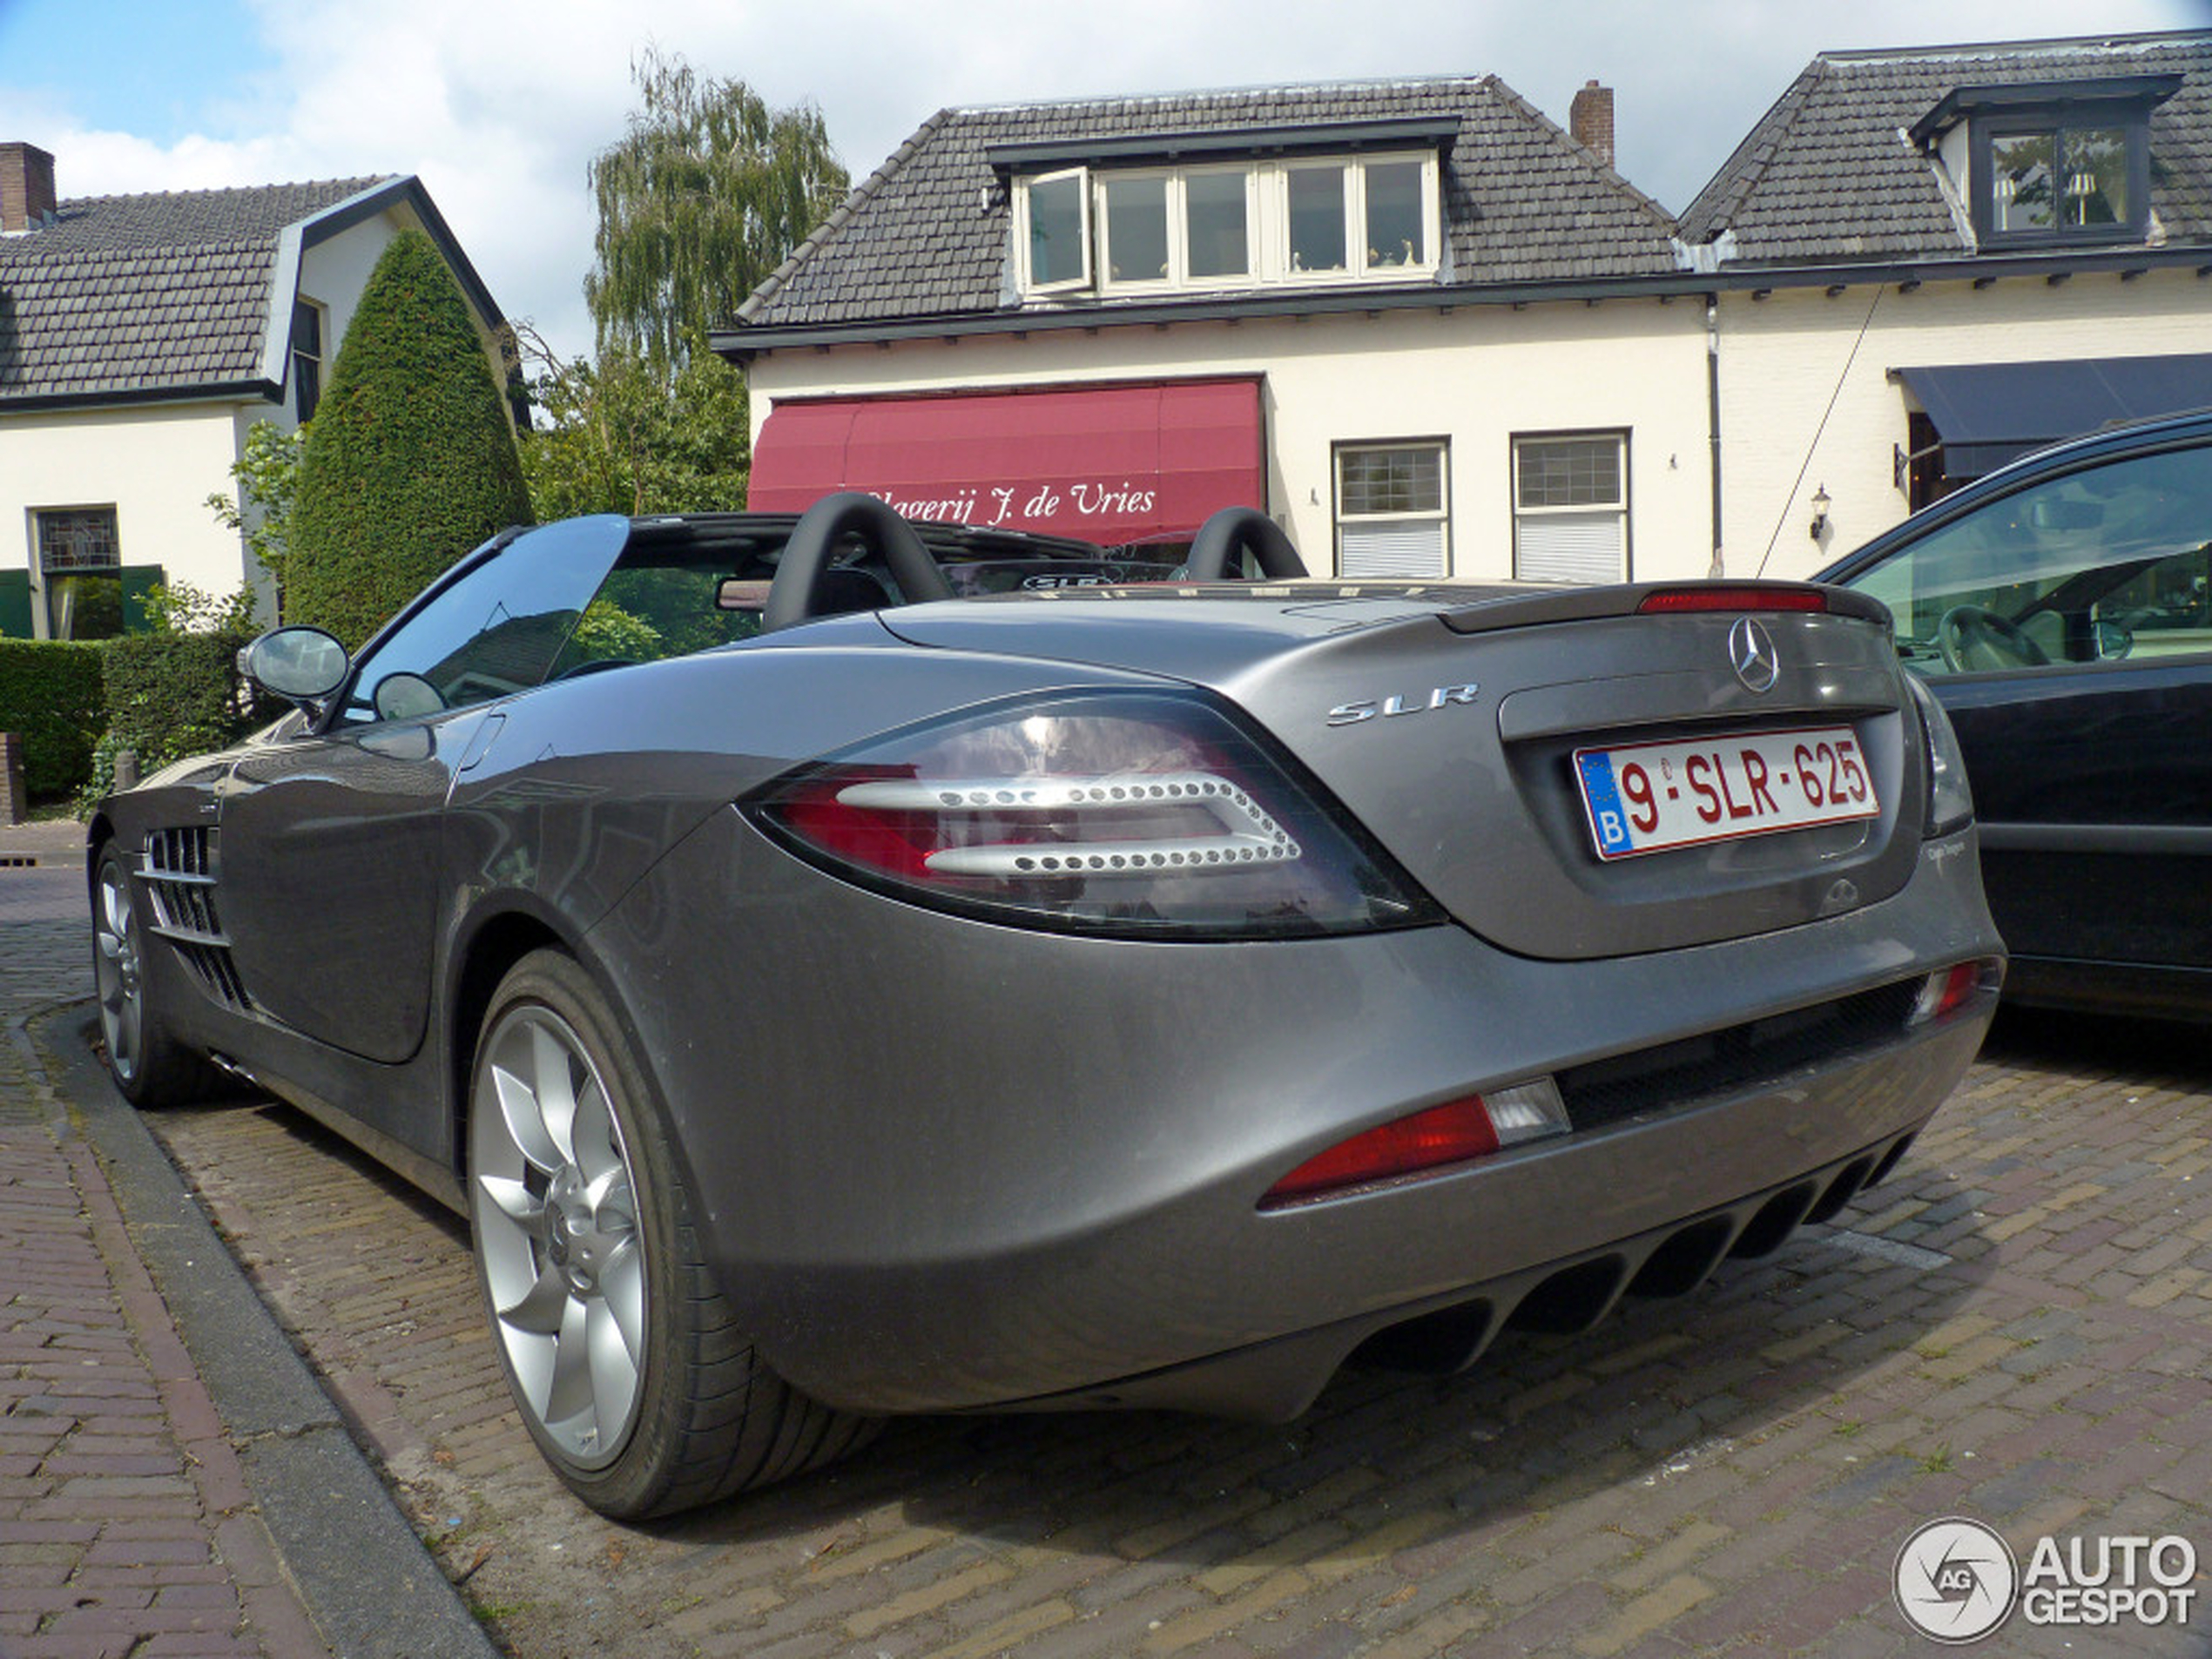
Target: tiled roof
x=1827 y=175
x=135 y=295
x=927 y=234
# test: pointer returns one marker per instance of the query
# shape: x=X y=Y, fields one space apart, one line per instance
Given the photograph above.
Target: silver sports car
x=842 y=967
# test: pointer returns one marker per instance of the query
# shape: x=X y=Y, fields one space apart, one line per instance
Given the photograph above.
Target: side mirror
x=302 y=666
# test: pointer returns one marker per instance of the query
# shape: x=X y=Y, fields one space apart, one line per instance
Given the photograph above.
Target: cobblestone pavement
x=2017 y=1327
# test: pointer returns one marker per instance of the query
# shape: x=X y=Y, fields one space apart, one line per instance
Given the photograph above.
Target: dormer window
x=2055 y=180
x=1235 y=210
x=1190 y=227
x=2053 y=162
x=1054 y=230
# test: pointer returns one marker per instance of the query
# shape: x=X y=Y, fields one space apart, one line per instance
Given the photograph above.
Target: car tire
x=619 y=1346
x=151 y=1067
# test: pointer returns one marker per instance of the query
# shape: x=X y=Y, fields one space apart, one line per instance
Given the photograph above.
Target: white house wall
x=155 y=466
x=1783 y=358
x=1477 y=376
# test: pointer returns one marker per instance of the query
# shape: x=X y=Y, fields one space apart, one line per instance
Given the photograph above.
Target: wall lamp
x=1820 y=505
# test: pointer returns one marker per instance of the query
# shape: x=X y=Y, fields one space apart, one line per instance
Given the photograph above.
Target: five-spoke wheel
x=115 y=970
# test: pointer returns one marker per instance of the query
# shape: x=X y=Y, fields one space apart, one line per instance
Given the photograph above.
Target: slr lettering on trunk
x=1368 y=708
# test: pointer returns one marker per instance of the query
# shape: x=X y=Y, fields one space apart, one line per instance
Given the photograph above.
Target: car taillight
x=1132 y=813
x=1948 y=989
x=1950 y=801
x=1734 y=597
x=1427 y=1141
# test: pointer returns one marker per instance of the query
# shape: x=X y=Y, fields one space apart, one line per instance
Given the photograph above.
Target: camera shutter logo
x=1955 y=1579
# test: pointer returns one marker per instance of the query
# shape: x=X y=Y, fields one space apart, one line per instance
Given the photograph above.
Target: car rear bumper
x=1274 y=1381
x=941 y=1165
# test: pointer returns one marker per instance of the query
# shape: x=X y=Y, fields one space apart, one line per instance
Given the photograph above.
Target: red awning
x=1111 y=463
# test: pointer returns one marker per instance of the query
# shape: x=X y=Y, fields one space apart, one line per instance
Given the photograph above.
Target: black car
x=2062 y=610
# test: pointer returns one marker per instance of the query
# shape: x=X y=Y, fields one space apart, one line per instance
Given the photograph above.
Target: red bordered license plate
x=1649 y=797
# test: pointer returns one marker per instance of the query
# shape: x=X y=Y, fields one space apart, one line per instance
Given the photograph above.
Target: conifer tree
x=410 y=460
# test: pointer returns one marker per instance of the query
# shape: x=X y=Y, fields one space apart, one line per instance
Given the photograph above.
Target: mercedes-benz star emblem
x=1751 y=652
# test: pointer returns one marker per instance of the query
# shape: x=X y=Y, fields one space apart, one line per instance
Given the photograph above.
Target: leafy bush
x=49 y=694
x=626 y=436
x=411 y=459
x=268 y=488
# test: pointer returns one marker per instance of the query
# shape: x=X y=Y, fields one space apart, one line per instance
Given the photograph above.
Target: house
x=140 y=338
x=1427 y=329
x=1434 y=334
x=1929 y=261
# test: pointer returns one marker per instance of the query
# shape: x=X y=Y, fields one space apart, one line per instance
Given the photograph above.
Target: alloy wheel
x=553 y=1197
x=116 y=971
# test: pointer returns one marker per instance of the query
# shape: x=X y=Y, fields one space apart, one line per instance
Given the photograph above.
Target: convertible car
x=2060 y=610
x=843 y=968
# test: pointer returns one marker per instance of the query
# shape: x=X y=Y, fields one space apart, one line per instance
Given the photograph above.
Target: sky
x=499 y=105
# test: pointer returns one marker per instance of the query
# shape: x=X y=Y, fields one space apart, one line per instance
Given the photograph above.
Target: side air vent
x=179 y=869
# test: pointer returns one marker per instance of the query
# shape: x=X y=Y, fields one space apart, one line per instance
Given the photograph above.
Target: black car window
x=496 y=630
x=2103 y=563
x=666 y=599
x=651 y=611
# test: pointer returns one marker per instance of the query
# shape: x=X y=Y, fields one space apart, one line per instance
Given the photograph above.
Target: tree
x=411 y=460
x=704 y=196
x=624 y=437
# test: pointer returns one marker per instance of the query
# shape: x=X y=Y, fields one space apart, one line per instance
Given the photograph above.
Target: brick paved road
x=125 y=1524
x=2017 y=1327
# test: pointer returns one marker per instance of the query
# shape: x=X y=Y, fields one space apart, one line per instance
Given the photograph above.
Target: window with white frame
x=1367 y=217
x=1392 y=508
x=80 y=561
x=1307 y=220
x=1052 y=229
x=1187 y=228
x=1570 y=499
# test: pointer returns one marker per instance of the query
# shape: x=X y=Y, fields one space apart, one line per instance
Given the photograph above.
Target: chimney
x=1590 y=119
x=26 y=187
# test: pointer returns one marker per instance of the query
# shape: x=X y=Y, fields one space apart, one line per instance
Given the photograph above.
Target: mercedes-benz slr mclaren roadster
x=844 y=966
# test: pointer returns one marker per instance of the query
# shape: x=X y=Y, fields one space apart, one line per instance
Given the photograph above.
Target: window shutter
x=1411 y=548
x=137 y=579
x=15 y=604
x=1582 y=548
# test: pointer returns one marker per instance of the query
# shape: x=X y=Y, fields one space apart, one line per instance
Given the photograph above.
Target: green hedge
x=172 y=695
x=51 y=696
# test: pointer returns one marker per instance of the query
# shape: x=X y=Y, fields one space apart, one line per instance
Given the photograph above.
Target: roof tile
x=128 y=293
x=1826 y=175
x=928 y=233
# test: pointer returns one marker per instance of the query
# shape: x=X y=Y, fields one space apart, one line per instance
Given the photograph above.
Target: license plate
x=1649 y=797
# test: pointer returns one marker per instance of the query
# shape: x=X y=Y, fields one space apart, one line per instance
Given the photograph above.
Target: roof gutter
x=139 y=397
x=744 y=343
